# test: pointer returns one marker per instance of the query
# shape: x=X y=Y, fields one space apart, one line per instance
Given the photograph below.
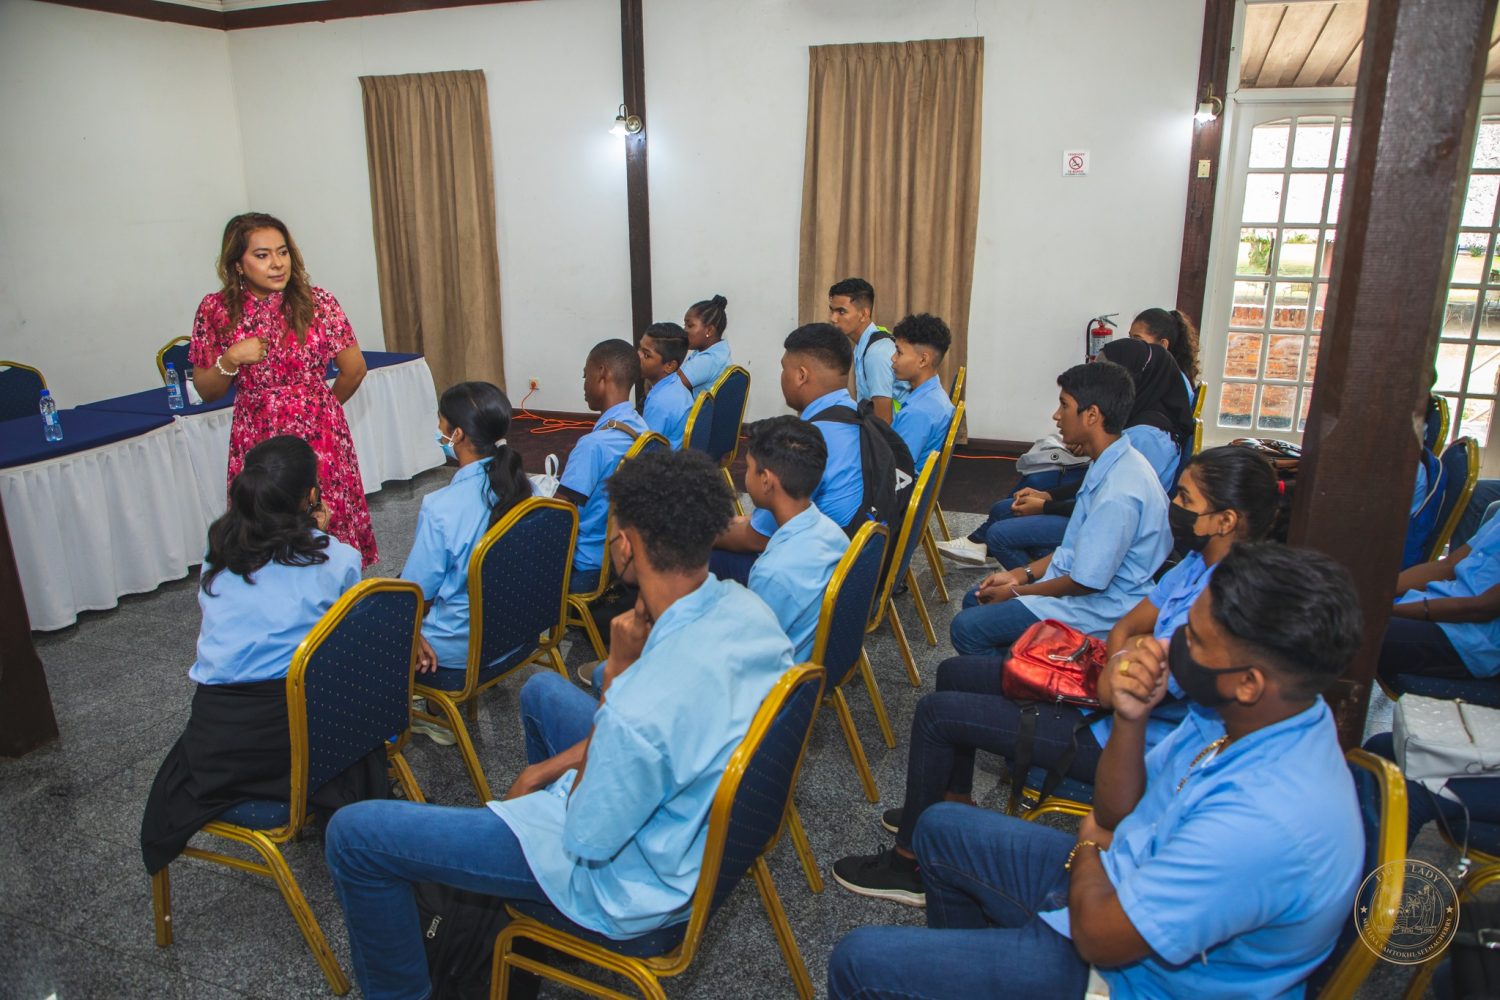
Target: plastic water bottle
x=174 y=389
x=51 y=426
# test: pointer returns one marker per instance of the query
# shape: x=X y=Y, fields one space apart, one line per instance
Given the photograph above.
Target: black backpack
x=459 y=930
x=886 y=464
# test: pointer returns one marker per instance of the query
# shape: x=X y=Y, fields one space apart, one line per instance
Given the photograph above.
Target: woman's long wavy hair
x=269 y=519
x=482 y=412
x=296 y=299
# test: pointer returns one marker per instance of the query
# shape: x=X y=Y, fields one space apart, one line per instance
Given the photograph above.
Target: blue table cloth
x=154 y=402
x=22 y=441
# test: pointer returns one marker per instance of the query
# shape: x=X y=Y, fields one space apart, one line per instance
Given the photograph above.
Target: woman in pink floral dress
x=273 y=333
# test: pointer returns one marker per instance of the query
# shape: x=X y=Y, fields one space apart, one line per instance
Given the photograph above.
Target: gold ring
x=1125 y=666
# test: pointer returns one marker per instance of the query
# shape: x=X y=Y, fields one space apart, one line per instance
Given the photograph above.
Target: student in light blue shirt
x=927 y=413
x=1222 y=863
x=473 y=419
x=1114 y=542
x=609 y=375
x=608 y=823
x=1160 y=423
x=814 y=373
x=784 y=462
x=705 y=323
x=851 y=303
x=1446 y=623
x=662 y=349
x=1171 y=329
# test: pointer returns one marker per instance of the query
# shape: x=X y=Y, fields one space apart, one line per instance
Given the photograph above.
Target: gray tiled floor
x=75 y=903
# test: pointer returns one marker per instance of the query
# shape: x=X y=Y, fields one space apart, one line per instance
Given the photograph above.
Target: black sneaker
x=883 y=876
x=891 y=820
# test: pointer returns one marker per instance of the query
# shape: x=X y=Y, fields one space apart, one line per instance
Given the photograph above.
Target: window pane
x=1268 y=145
x=1321 y=308
x=1468 y=260
x=1479 y=206
x=1312 y=359
x=1306 y=403
x=1314 y=139
x=1341 y=154
x=1249 y=304
x=1325 y=260
x=1483 y=368
x=1304 y=197
x=1284 y=360
x=1235 y=401
x=1475 y=422
x=1299 y=250
x=1335 y=193
x=1255 y=251
x=1262 y=197
x=1276 y=405
x=1451 y=359
x=1487 y=144
x=1290 y=311
x=1489 y=316
x=1242 y=355
x=1458 y=317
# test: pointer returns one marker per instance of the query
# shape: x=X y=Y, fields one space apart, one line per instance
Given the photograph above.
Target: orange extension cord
x=549 y=425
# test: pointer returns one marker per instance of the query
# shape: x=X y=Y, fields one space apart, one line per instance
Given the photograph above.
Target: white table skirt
x=126 y=517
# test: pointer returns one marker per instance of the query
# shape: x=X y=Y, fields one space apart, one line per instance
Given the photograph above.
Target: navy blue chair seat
x=259 y=814
x=1479 y=691
x=661 y=941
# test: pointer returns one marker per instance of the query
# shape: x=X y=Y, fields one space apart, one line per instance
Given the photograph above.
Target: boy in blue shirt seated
x=921 y=343
x=1115 y=540
x=784 y=462
x=814 y=377
x=851 y=304
x=607 y=822
x=662 y=349
x=1222 y=863
x=609 y=375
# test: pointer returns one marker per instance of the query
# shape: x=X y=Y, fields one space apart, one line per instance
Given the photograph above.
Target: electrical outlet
x=535 y=385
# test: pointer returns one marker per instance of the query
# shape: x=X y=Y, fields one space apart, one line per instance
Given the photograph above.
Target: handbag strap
x=1025 y=745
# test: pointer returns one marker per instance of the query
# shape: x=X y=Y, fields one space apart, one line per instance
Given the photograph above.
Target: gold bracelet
x=1068 y=865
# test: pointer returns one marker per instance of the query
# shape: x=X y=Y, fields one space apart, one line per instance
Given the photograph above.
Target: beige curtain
x=432 y=195
x=890 y=189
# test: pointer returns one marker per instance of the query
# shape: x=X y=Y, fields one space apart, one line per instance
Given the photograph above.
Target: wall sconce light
x=627 y=123
x=1209 y=108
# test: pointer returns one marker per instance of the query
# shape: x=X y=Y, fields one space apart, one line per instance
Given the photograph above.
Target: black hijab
x=1161 y=396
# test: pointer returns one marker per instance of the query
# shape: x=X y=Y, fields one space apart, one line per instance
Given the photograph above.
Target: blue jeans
x=582 y=581
x=988 y=629
x=1017 y=541
x=376 y=850
x=987 y=876
x=1414 y=646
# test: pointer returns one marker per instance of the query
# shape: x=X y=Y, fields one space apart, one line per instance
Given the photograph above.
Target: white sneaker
x=439 y=734
x=961 y=550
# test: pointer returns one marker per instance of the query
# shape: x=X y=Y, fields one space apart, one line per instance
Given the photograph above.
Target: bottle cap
x=46 y=393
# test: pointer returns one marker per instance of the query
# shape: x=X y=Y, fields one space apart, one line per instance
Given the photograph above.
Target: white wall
x=120 y=162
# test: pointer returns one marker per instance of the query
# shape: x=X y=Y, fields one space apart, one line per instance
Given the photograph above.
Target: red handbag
x=1055 y=663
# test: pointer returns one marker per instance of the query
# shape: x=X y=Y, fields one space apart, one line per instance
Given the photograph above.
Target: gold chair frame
x=929 y=543
x=35 y=371
x=449 y=701
x=728 y=459
x=1444 y=420
x=1487 y=871
x=1471 y=477
x=645 y=973
x=264 y=842
x=161 y=355
x=956 y=396
x=693 y=415
x=577 y=611
x=917 y=511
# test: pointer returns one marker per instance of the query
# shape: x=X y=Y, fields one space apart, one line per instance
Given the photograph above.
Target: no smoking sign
x=1075 y=163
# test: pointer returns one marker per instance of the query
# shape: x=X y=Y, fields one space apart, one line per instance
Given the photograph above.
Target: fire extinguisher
x=1099 y=331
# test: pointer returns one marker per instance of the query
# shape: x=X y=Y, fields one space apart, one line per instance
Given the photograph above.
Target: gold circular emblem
x=1406 y=911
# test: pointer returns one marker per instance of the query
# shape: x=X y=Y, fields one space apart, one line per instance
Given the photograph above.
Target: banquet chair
x=1435 y=429
x=1460 y=462
x=175 y=353
x=929 y=543
x=1482 y=847
x=578 y=611
x=956 y=395
x=898 y=567
x=698 y=431
x=750 y=809
x=518 y=599
x=348 y=689
x=731 y=393
x=20 y=388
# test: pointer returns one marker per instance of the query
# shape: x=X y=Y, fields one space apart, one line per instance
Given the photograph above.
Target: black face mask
x=1183 y=522
x=1197 y=681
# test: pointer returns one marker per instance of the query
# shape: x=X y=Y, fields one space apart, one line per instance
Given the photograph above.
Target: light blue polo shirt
x=1115 y=541
x=793 y=572
x=703 y=367
x=250 y=630
x=1241 y=881
x=591 y=462
x=1477 y=643
x=872 y=368
x=923 y=419
x=621 y=854
x=449 y=526
x=1156 y=446
x=841 y=491
x=1173 y=598
x=667 y=407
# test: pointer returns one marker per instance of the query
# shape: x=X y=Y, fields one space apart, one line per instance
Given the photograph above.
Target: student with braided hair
x=705 y=324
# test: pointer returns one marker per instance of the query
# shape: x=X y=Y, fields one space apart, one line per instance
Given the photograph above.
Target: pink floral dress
x=286 y=394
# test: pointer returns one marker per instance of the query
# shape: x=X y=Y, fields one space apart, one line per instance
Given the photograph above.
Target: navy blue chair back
x=730 y=395
x=654 y=443
x=518 y=580
x=20 y=390
x=700 y=426
x=175 y=355
x=357 y=678
x=924 y=495
x=762 y=791
x=847 y=604
x=1422 y=527
x=1458 y=483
